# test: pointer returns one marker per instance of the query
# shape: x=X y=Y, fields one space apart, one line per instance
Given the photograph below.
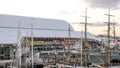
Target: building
x=53 y=33
x=42 y=28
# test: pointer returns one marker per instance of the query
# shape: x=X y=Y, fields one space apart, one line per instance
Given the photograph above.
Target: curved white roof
x=43 y=23
x=8 y=35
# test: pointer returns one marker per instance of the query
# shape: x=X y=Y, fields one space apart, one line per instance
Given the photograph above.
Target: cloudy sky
x=69 y=10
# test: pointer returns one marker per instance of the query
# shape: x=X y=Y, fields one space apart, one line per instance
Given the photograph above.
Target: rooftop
x=45 y=28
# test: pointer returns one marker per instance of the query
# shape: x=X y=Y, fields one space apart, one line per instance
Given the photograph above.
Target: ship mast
x=108 y=34
x=32 y=44
x=84 y=47
x=26 y=40
x=81 y=46
x=85 y=38
x=19 y=45
x=69 y=48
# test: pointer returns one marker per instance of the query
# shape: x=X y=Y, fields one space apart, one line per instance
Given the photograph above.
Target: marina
x=51 y=34
x=56 y=48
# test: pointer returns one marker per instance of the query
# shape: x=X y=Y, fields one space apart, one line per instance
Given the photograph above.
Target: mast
x=84 y=48
x=69 y=35
x=19 y=45
x=86 y=25
x=81 y=47
x=108 y=48
x=26 y=39
x=85 y=37
x=69 y=30
x=32 y=44
x=108 y=34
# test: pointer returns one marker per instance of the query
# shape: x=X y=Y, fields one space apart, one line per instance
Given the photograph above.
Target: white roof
x=43 y=23
x=8 y=35
x=62 y=34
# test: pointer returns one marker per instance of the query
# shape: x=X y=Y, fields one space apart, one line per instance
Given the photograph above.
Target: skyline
x=68 y=10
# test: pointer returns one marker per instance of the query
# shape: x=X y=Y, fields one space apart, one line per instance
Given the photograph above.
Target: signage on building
x=63 y=42
x=42 y=43
x=68 y=42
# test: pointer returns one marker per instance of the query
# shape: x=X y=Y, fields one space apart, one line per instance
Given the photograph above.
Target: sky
x=69 y=10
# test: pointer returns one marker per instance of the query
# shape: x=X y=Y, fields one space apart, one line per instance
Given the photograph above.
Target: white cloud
x=103 y=3
x=52 y=9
